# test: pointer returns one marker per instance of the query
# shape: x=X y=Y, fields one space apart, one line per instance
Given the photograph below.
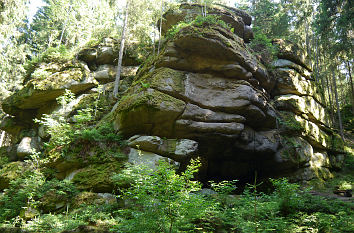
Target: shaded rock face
x=206 y=86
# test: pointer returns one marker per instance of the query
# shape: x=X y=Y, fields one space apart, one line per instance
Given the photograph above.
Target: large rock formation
x=207 y=86
x=206 y=94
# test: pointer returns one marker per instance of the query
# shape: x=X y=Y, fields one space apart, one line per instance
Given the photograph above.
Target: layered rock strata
x=208 y=87
x=205 y=95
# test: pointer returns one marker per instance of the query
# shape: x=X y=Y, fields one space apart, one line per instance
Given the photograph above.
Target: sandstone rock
x=337 y=161
x=320 y=159
x=292 y=123
x=106 y=53
x=13 y=127
x=28 y=146
x=303 y=105
x=227 y=97
x=42 y=90
x=290 y=82
x=147 y=112
x=262 y=142
x=146 y=143
x=282 y=63
x=200 y=50
x=107 y=73
x=96 y=177
x=309 y=173
x=295 y=153
x=193 y=128
x=237 y=19
x=147 y=159
x=292 y=52
x=196 y=113
x=88 y=55
x=177 y=149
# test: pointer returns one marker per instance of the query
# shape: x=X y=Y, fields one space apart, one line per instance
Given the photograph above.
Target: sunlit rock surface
x=206 y=94
x=208 y=87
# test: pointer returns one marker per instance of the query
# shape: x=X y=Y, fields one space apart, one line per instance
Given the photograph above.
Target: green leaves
x=162 y=200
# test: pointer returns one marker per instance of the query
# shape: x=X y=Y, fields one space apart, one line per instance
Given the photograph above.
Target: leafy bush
x=58 y=54
x=62 y=133
x=102 y=133
x=162 y=200
x=26 y=192
x=263 y=47
x=21 y=194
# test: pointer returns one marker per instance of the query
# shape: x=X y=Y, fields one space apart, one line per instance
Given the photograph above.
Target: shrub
x=57 y=54
x=162 y=200
x=263 y=47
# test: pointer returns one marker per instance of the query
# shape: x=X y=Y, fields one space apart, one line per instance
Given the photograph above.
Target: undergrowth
x=162 y=200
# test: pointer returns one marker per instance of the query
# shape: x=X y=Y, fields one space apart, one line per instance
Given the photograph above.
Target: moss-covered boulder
x=106 y=52
x=304 y=105
x=292 y=52
x=154 y=111
x=10 y=172
x=97 y=177
x=291 y=123
x=48 y=82
x=237 y=19
x=90 y=198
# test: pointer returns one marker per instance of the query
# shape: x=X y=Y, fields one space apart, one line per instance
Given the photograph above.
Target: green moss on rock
x=10 y=172
x=150 y=111
x=97 y=177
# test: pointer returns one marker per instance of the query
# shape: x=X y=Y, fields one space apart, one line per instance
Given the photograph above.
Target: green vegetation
x=263 y=48
x=348 y=119
x=63 y=133
x=59 y=54
x=162 y=200
x=80 y=180
x=198 y=21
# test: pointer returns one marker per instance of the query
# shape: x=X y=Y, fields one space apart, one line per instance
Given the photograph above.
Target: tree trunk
x=322 y=80
x=2 y=139
x=351 y=86
x=337 y=103
x=158 y=48
x=154 y=44
x=66 y=21
x=329 y=89
x=120 y=58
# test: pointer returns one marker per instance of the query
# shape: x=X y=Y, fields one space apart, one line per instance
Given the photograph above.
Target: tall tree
x=351 y=85
x=121 y=50
x=337 y=104
x=12 y=52
x=160 y=28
